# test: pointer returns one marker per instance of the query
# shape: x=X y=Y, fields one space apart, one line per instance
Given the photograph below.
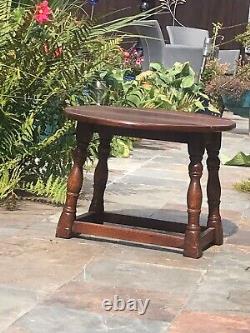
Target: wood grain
x=149 y=119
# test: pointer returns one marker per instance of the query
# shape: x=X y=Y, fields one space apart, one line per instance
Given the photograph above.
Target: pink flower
x=56 y=53
x=138 y=61
x=42 y=12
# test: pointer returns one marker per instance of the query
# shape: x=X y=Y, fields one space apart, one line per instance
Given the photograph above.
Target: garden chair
x=155 y=49
x=190 y=37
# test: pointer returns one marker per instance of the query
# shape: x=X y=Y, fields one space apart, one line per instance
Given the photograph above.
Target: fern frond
x=9 y=181
x=54 y=189
x=5 y=24
x=5 y=8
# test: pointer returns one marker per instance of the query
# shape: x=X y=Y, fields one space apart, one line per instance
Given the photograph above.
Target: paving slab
x=57 y=318
x=195 y=322
x=14 y=303
x=42 y=265
x=89 y=296
x=225 y=286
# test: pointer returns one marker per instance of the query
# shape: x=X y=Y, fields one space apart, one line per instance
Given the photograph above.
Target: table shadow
x=229 y=227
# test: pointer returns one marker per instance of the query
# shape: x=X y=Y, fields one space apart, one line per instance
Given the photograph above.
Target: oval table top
x=148 y=119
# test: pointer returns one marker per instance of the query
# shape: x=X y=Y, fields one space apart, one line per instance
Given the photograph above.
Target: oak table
x=199 y=132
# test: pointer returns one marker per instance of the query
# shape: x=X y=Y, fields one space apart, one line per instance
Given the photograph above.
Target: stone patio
x=50 y=285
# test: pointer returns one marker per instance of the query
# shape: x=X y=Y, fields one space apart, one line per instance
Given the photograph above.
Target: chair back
x=152 y=41
x=229 y=57
x=182 y=53
x=187 y=36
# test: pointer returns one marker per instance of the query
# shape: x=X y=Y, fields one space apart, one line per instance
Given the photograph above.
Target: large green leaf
x=240 y=159
x=156 y=66
x=187 y=82
x=134 y=100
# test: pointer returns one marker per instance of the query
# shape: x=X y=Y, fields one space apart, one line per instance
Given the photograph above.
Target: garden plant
x=173 y=89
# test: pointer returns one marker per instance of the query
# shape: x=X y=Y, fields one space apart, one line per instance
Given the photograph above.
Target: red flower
x=126 y=54
x=42 y=12
x=58 y=52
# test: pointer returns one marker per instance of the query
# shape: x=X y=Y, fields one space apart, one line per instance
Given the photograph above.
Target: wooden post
x=75 y=180
x=101 y=177
x=213 y=187
x=192 y=244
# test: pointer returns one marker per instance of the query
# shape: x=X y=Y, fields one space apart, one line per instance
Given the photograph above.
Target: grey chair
x=152 y=42
x=187 y=36
x=229 y=57
x=155 y=49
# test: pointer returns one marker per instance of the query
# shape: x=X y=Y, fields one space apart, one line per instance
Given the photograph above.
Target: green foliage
x=54 y=189
x=173 y=89
x=8 y=182
x=121 y=146
x=43 y=68
x=240 y=159
x=217 y=83
x=212 y=70
x=243 y=186
x=244 y=38
x=216 y=37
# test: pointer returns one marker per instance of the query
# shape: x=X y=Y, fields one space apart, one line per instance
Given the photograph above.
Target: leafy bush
x=217 y=83
x=48 y=53
x=172 y=89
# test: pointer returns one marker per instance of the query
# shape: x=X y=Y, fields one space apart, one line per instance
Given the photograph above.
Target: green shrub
x=44 y=64
x=174 y=89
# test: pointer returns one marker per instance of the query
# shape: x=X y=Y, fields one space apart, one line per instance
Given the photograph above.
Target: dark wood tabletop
x=149 y=119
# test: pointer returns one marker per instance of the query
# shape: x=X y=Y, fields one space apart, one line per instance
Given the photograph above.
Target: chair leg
x=75 y=181
x=192 y=243
x=214 y=188
x=101 y=177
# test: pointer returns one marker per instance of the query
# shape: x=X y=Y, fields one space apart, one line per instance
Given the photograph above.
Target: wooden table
x=199 y=132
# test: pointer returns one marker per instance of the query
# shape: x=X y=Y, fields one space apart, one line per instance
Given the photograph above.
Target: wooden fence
x=196 y=13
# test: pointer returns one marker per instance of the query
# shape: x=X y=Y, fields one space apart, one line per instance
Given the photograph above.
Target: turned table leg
x=213 y=187
x=192 y=244
x=101 y=177
x=75 y=181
